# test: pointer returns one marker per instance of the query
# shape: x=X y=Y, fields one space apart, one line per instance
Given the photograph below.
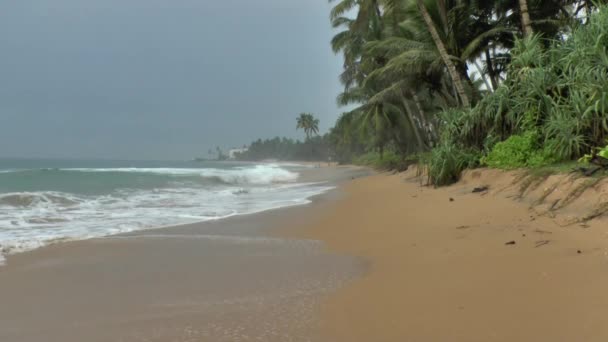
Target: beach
x=451 y=265
x=222 y=280
x=381 y=258
x=304 y=171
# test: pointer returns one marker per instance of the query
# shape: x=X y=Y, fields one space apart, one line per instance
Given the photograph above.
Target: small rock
x=451 y=199
x=524 y=235
x=510 y=243
x=579 y=251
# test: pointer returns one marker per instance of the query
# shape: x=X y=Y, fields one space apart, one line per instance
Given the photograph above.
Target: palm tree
x=456 y=79
x=309 y=124
x=406 y=61
x=525 y=18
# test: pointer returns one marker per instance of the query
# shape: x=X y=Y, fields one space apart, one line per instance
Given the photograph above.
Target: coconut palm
x=407 y=61
x=456 y=79
x=525 y=18
x=309 y=124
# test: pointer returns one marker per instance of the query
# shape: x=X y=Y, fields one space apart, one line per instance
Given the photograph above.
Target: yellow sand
x=440 y=270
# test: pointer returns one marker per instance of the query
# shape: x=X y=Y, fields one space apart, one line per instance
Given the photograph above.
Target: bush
x=512 y=153
x=388 y=161
x=519 y=151
x=556 y=89
x=447 y=161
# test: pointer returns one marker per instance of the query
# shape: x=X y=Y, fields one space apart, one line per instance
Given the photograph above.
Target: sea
x=49 y=201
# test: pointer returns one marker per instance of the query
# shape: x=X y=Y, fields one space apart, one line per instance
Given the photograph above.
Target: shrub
x=447 y=161
x=519 y=151
x=512 y=153
x=389 y=161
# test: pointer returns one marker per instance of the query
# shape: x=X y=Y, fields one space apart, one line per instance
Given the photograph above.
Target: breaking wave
x=42 y=206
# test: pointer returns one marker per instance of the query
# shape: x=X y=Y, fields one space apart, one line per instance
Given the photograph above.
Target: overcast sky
x=160 y=79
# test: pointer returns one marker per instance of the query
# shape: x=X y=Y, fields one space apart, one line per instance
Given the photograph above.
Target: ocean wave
x=258 y=175
x=152 y=177
x=29 y=220
x=32 y=199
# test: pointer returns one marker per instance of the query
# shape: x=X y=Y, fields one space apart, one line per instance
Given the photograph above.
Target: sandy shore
x=400 y=262
x=441 y=269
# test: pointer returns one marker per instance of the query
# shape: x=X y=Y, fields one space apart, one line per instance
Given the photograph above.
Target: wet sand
x=451 y=265
x=226 y=280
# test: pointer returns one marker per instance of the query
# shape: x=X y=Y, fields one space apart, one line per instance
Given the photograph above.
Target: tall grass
x=445 y=163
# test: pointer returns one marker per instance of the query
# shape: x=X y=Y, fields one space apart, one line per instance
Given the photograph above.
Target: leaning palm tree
x=456 y=79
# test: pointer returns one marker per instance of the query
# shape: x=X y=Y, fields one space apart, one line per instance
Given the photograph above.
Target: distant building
x=232 y=153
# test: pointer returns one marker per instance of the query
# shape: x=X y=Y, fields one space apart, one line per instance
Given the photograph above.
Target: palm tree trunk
x=491 y=72
x=525 y=18
x=312 y=148
x=483 y=76
x=464 y=74
x=377 y=10
x=443 y=15
x=427 y=127
x=410 y=118
x=464 y=99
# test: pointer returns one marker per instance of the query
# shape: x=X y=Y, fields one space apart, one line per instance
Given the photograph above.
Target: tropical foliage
x=288 y=149
x=309 y=124
x=462 y=83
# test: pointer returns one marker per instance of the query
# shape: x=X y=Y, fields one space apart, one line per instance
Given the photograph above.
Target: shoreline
x=451 y=265
x=219 y=280
x=378 y=258
x=311 y=176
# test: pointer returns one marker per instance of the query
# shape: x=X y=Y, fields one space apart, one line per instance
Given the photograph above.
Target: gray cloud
x=152 y=79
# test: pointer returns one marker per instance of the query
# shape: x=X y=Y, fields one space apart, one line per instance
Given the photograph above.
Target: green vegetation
x=446 y=161
x=519 y=151
x=388 y=161
x=308 y=123
x=461 y=84
x=314 y=148
x=599 y=151
x=288 y=149
x=506 y=84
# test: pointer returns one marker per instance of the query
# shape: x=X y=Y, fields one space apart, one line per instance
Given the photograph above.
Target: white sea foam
x=258 y=174
x=29 y=220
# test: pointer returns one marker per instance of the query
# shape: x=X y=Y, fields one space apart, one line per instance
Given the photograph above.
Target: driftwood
x=598 y=163
x=481 y=189
x=541 y=243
